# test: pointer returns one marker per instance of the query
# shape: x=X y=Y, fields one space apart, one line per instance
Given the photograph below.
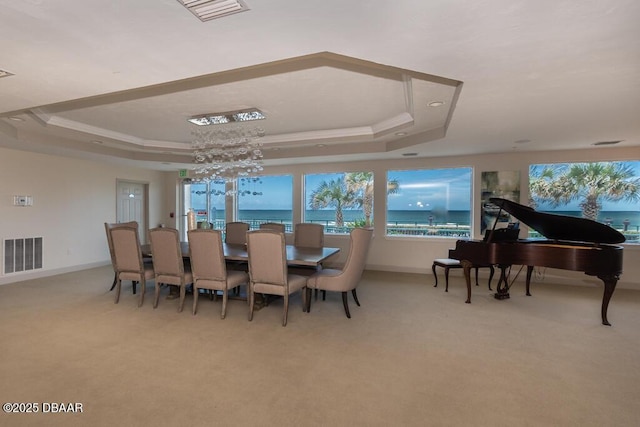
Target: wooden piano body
x=576 y=244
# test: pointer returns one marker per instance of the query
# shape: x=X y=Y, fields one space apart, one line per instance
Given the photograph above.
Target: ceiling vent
x=4 y=73
x=206 y=10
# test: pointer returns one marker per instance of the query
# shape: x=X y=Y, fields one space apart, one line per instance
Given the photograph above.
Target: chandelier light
x=228 y=153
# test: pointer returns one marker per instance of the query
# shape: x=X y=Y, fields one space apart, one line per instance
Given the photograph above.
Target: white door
x=130 y=205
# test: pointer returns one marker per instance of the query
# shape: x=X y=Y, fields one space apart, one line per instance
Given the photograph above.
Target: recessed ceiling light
x=95 y=141
x=320 y=145
x=16 y=119
x=401 y=134
x=608 y=142
x=436 y=104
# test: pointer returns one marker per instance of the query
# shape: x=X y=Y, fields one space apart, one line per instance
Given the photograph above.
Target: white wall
x=73 y=198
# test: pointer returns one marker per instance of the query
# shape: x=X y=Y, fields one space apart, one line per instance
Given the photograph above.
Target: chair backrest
x=308 y=235
x=267 y=257
x=167 y=254
x=358 y=251
x=207 y=255
x=108 y=227
x=276 y=226
x=127 y=256
x=236 y=233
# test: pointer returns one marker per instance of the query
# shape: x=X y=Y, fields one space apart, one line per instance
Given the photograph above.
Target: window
x=429 y=202
x=207 y=201
x=266 y=199
x=339 y=201
x=607 y=192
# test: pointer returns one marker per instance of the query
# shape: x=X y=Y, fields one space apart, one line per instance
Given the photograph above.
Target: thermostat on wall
x=22 y=201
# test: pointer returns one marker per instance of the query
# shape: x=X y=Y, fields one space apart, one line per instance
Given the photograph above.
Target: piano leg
x=609 y=286
x=503 y=283
x=466 y=265
x=528 y=283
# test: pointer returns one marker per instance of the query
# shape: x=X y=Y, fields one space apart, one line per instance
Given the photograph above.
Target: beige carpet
x=412 y=355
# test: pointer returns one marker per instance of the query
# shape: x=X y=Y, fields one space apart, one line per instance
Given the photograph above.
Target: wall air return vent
x=22 y=254
x=206 y=10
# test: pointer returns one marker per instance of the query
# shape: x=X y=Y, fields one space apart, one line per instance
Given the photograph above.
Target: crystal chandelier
x=227 y=154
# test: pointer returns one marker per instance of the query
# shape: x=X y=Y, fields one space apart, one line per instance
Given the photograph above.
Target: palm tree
x=334 y=193
x=361 y=183
x=591 y=183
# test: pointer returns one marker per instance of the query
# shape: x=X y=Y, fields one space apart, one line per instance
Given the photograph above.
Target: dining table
x=296 y=255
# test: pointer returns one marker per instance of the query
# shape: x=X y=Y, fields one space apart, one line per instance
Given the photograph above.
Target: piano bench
x=448 y=264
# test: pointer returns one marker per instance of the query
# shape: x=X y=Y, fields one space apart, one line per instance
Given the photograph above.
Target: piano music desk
x=449 y=263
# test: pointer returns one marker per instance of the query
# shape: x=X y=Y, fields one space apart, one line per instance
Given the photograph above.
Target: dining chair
x=276 y=226
x=168 y=264
x=109 y=226
x=308 y=235
x=128 y=261
x=347 y=279
x=268 y=270
x=236 y=233
x=209 y=268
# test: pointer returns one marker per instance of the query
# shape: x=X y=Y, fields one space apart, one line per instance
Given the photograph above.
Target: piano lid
x=561 y=227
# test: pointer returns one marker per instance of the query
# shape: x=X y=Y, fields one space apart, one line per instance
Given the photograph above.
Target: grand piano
x=570 y=243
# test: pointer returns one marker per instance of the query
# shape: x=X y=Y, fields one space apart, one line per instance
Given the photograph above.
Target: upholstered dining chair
x=236 y=233
x=168 y=263
x=277 y=226
x=308 y=235
x=348 y=278
x=146 y=260
x=268 y=270
x=209 y=268
x=128 y=262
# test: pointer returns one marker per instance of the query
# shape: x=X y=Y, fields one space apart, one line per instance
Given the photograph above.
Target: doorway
x=131 y=205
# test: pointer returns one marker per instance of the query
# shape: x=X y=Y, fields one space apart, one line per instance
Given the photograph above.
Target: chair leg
x=433 y=268
x=355 y=297
x=304 y=299
x=286 y=309
x=308 y=291
x=115 y=280
x=324 y=295
x=157 y=295
x=118 y=287
x=133 y=286
x=224 y=303
x=446 y=279
x=183 y=293
x=196 y=291
x=143 y=285
x=346 y=304
x=252 y=300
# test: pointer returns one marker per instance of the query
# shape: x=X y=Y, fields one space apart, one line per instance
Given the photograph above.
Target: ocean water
x=617 y=219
